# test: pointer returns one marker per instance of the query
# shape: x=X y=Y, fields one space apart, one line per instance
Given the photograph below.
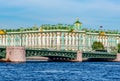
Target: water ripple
x=60 y=71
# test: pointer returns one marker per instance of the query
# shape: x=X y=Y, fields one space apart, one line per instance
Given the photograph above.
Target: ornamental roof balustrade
x=48 y=31
x=23 y=29
x=57 y=27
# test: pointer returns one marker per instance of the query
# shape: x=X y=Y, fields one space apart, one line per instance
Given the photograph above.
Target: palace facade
x=60 y=37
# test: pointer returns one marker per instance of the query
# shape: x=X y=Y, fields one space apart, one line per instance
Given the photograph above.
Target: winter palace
x=60 y=37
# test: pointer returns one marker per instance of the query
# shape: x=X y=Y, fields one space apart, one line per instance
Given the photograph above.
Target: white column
x=66 y=41
x=47 y=40
x=117 y=40
x=33 y=40
x=58 y=40
x=3 y=40
x=70 y=45
x=76 y=41
x=40 y=40
x=43 y=40
x=73 y=42
x=54 y=41
x=83 y=42
x=30 y=39
x=36 y=40
x=80 y=41
x=105 y=41
x=27 y=40
x=109 y=42
x=0 y=40
x=12 y=40
x=89 y=44
x=24 y=40
x=102 y=39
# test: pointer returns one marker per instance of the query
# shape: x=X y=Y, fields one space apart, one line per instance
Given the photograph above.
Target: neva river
x=60 y=71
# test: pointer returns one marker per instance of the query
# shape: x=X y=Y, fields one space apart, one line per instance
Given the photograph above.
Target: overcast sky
x=92 y=13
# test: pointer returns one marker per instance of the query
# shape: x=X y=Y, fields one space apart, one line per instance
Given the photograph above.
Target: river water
x=60 y=71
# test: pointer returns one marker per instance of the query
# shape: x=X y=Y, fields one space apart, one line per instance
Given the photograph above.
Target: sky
x=92 y=13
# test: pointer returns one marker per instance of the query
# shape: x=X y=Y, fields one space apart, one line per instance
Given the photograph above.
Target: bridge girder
x=42 y=53
x=98 y=55
x=2 y=52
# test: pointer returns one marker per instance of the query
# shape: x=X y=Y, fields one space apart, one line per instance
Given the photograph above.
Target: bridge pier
x=15 y=54
x=78 y=57
x=117 y=58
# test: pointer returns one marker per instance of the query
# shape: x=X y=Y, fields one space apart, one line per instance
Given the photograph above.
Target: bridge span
x=53 y=55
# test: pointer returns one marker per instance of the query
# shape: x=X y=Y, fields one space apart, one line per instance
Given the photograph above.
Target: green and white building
x=60 y=37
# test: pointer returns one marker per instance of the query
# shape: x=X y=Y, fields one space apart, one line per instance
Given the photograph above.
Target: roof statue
x=2 y=32
x=77 y=21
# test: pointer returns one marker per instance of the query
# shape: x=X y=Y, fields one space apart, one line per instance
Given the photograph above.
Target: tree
x=97 y=46
x=21 y=29
x=18 y=30
x=119 y=48
x=113 y=49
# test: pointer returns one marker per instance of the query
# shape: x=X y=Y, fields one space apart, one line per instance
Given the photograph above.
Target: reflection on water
x=60 y=71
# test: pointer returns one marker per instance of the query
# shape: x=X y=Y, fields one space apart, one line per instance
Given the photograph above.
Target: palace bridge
x=62 y=55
